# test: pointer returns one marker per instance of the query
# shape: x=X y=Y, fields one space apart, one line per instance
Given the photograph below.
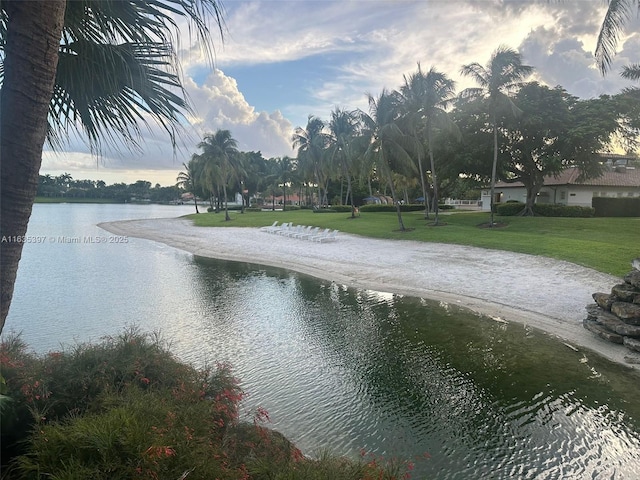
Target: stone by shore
x=543 y=293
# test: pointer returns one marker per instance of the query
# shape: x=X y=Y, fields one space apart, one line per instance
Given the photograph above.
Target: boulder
x=631 y=343
x=633 y=278
x=602 y=331
x=625 y=292
x=604 y=300
x=629 y=312
x=613 y=323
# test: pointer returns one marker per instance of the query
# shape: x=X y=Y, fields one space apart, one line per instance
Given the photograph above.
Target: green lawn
x=604 y=244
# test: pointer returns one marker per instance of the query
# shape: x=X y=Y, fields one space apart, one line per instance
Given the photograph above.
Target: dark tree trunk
x=494 y=167
x=435 y=180
x=31 y=57
x=195 y=202
x=395 y=201
x=532 y=193
x=226 y=209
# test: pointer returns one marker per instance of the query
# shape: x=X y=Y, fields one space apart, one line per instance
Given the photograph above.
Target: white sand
x=546 y=294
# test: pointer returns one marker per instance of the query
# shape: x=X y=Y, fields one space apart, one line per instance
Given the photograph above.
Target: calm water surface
x=337 y=368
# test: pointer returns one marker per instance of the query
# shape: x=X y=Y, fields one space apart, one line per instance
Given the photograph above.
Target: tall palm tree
x=502 y=76
x=311 y=143
x=220 y=151
x=343 y=130
x=618 y=14
x=428 y=97
x=187 y=180
x=389 y=148
x=104 y=65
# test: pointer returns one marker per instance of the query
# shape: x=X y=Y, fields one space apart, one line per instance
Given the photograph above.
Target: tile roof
x=623 y=177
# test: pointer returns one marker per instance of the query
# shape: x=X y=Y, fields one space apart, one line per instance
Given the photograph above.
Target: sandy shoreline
x=546 y=294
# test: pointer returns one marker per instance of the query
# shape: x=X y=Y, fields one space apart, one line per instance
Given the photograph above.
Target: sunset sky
x=285 y=60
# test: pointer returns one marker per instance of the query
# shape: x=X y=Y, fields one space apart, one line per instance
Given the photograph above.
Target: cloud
x=220 y=105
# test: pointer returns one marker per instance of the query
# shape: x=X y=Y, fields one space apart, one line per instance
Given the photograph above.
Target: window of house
x=629 y=194
x=620 y=194
x=596 y=194
x=603 y=194
x=563 y=195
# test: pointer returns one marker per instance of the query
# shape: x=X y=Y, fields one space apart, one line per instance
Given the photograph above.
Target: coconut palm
x=220 y=152
x=389 y=147
x=427 y=98
x=502 y=76
x=343 y=128
x=311 y=143
x=618 y=14
x=101 y=67
x=187 y=180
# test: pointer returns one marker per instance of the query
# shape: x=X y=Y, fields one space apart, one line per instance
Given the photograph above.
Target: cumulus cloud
x=220 y=105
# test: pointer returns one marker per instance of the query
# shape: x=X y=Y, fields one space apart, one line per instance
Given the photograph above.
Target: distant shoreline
x=540 y=292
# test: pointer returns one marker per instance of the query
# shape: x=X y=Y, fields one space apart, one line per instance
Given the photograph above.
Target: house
x=620 y=178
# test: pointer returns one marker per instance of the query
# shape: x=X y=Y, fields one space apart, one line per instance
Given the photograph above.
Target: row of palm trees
x=401 y=126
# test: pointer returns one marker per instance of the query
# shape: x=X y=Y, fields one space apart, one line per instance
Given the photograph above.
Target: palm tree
x=502 y=75
x=220 y=151
x=343 y=128
x=187 y=180
x=311 y=143
x=618 y=14
x=388 y=147
x=106 y=66
x=428 y=96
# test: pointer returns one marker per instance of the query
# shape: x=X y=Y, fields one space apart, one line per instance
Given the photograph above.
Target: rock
x=629 y=312
x=604 y=300
x=602 y=332
x=613 y=323
x=624 y=292
x=633 y=278
x=635 y=263
x=632 y=344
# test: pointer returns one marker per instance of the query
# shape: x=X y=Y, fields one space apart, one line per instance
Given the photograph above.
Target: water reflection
x=350 y=369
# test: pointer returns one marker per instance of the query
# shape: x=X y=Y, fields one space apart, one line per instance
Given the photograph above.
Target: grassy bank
x=127 y=409
x=604 y=244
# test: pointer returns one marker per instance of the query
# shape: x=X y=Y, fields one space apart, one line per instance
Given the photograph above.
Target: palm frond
x=631 y=72
x=139 y=85
x=618 y=14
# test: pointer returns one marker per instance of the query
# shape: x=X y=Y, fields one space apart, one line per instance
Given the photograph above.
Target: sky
x=282 y=61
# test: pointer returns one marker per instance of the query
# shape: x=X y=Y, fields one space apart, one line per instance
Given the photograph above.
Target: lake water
x=339 y=369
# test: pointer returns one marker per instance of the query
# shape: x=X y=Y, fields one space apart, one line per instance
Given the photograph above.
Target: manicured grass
x=604 y=244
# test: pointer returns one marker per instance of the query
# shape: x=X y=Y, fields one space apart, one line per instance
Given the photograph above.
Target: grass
x=125 y=408
x=604 y=244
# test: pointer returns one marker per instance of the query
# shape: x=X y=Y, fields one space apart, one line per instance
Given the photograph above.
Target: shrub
x=547 y=210
x=324 y=210
x=445 y=207
x=509 y=209
x=616 y=207
x=379 y=207
x=292 y=207
x=127 y=409
x=253 y=209
x=341 y=208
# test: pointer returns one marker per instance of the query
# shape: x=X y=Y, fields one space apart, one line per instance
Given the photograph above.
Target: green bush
x=445 y=207
x=379 y=207
x=253 y=209
x=547 y=210
x=292 y=207
x=616 y=207
x=127 y=409
x=341 y=208
x=324 y=210
x=509 y=209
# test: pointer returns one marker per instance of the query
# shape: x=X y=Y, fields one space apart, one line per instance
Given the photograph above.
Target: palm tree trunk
x=395 y=201
x=494 y=167
x=33 y=36
x=424 y=188
x=226 y=209
x=195 y=202
x=435 y=179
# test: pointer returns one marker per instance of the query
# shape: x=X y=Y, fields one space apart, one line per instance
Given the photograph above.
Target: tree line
x=423 y=137
x=65 y=186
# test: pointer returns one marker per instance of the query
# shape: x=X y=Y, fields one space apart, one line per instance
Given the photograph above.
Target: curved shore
x=543 y=293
